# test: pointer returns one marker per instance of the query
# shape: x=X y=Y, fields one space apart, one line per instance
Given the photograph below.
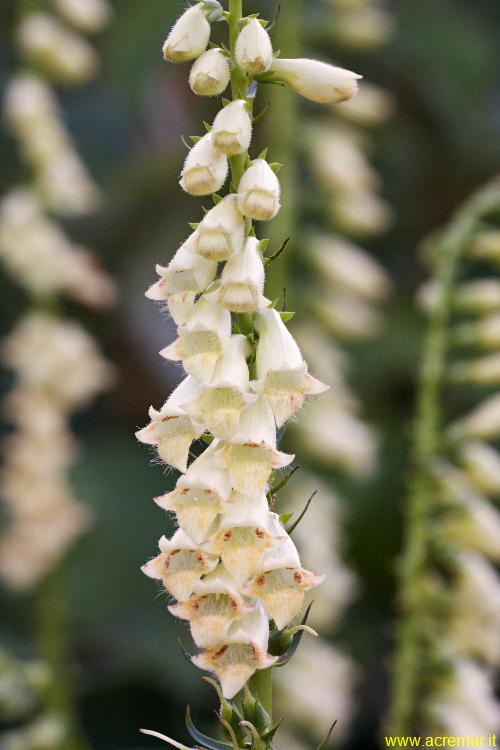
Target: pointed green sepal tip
x=324 y=745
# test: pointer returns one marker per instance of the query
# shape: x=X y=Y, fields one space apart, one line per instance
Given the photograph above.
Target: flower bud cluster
x=230 y=566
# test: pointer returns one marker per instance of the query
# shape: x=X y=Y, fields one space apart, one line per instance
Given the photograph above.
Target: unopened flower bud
x=90 y=16
x=205 y=169
x=232 y=129
x=210 y=73
x=222 y=231
x=478 y=296
x=242 y=281
x=483 y=422
x=259 y=192
x=254 y=51
x=484 y=332
x=480 y=371
x=189 y=36
x=317 y=80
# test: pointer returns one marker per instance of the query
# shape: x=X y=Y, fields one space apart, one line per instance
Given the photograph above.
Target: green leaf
x=263 y=244
x=203 y=739
x=285 y=517
x=284 y=481
x=268 y=736
x=323 y=745
x=294 y=525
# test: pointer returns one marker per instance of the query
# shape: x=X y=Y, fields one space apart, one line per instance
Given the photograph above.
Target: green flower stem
x=261 y=683
x=55 y=650
x=411 y=653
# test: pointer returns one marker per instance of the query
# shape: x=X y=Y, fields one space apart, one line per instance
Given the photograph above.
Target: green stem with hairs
x=411 y=654
x=261 y=683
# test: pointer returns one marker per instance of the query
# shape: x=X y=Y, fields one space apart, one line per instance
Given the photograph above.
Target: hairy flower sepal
x=243 y=652
x=210 y=74
x=232 y=128
x=317 y=81
x=221 y=232
x=180 y=565
x=189 y=36
x=282 y=375
x=205 y=169
x=172 y=429
x=241 y=287
x=259 y=192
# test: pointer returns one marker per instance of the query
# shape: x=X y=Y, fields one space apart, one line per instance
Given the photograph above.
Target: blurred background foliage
x=443 y=69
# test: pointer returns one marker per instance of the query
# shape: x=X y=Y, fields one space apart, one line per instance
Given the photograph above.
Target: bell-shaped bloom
x=242 y=281
x=222 y=231
x=259 y=192
x=317 y=81
x=189 y=36
x=205 y=169
x=186 y=276
x=244 y=537
x=238 y=658
x=202 y=339
x=251 y=455
x=171 y=429
x=282 y=583
x=180 y=565
x=199 y=495
x=254 y=50
x=232 y=129
x=282 y=376
x=482 y=464
x=220 y=403
x=483 y=422
x=210 y=73
x=215 y=605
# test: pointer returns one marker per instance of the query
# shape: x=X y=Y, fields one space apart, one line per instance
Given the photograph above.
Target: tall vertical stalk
x=411 y=654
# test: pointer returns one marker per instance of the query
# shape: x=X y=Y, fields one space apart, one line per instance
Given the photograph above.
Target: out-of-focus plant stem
x=283 y=130
x=411 y=653
x=55 y=650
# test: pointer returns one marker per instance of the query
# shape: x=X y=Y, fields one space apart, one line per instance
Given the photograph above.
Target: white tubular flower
x=486 y=245
x=282 y=583
x=245 y=651
x=251 y=455
x=482 y=464
x=481 y=371
x=232 y=128
x=259 y=192
x=90 y=16
x=317 y=80
x=371 y=106
x=180 y=565
x=484 y=332
x=483 y=422
x=220 y=403
x=202 y=340
x=215 y=605
x=199 y=496
x=47 y=42
x=244 y=537
x=186 y=276
x=171 y=429
x=254 y=50
x=282 y=376
x=189 y=36
x=347 y=315
x=222 y=230
x=342 y=262
x=242 y=281
x=210 y=73
x=205 y=169
x=476 y=611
